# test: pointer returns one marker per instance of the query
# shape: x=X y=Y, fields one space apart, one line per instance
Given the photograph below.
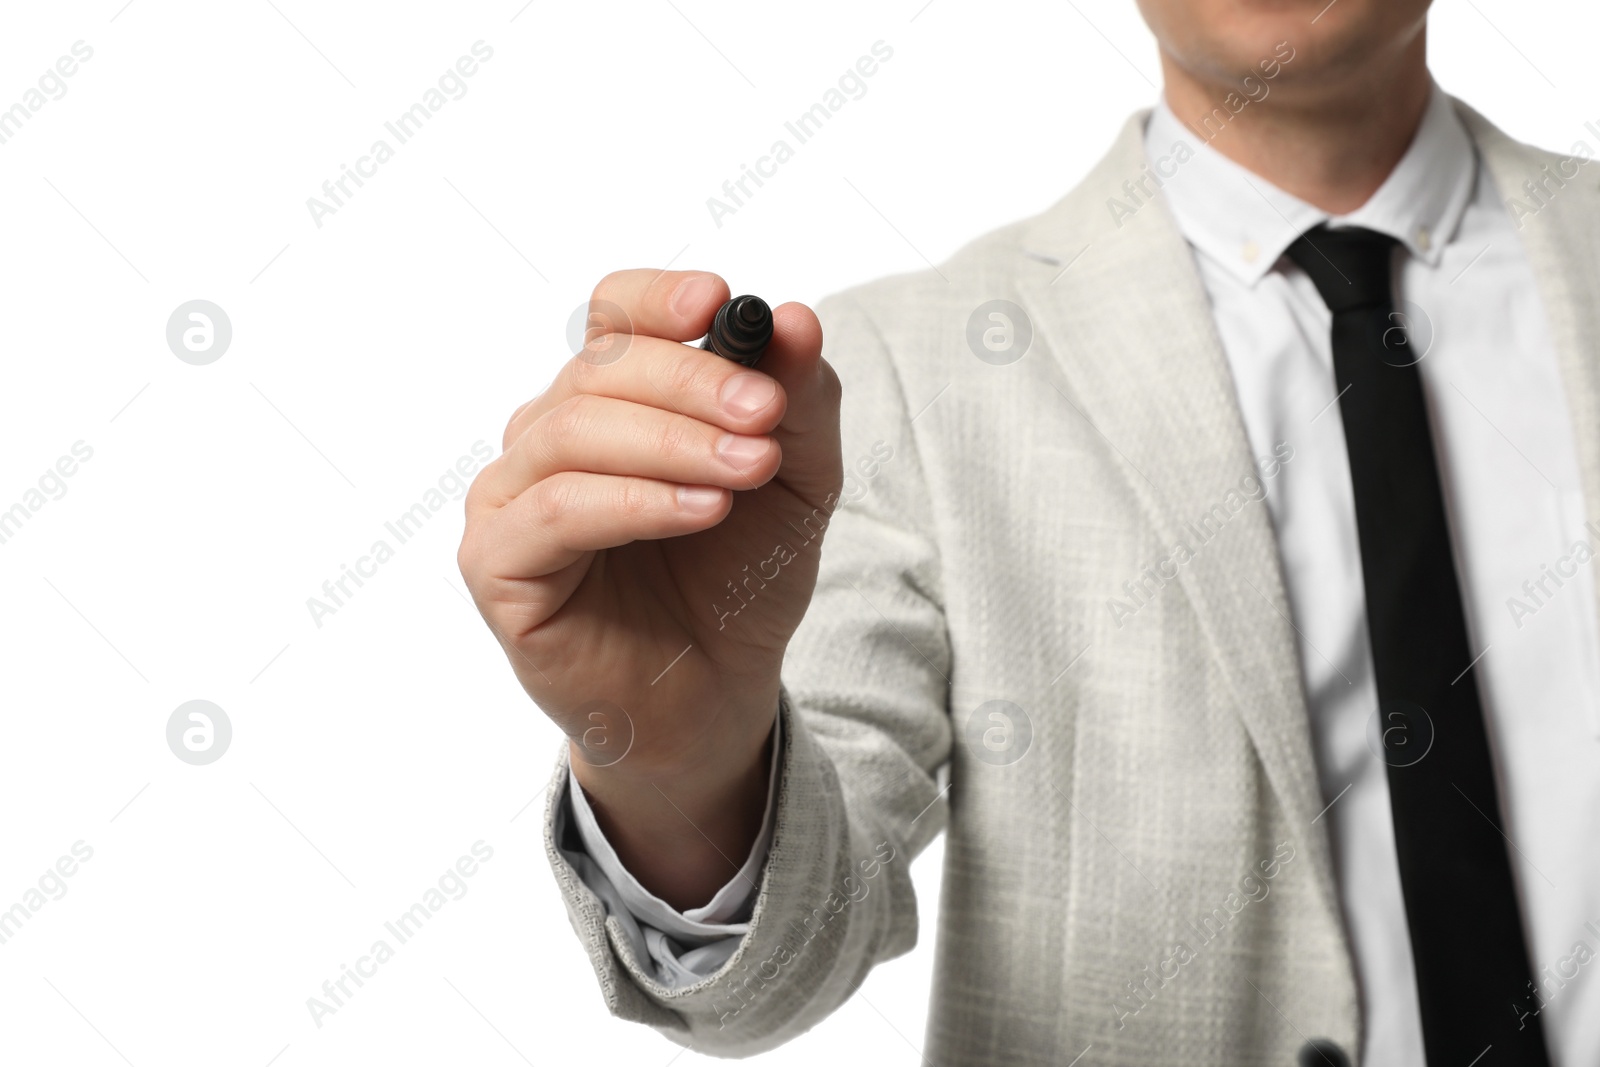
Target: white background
x=368 y=355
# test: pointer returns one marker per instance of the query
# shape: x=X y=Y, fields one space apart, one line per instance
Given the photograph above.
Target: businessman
x=1210 y=557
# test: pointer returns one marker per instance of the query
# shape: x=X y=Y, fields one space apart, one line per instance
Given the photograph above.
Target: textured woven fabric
x=1143 y=877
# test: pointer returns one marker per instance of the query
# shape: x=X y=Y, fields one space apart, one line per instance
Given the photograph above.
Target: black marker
x=741 y=330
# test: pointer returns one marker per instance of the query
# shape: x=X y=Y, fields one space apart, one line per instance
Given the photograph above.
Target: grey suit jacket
x=1134 y=857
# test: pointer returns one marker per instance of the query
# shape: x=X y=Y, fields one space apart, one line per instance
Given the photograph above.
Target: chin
x=1223 y=40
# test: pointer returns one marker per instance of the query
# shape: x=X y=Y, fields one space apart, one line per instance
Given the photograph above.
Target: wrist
x=698 y=755
x=682 y=837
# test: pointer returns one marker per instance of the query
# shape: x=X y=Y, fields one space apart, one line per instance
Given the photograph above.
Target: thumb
x=809 y=430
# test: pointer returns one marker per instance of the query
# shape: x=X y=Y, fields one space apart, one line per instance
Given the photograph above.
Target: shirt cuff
x=705 y=936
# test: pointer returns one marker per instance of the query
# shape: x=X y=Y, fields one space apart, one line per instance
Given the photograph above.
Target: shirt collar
x=1245 y=223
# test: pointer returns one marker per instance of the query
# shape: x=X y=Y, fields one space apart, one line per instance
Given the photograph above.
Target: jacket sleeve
x=681 y=947
x=865 y=719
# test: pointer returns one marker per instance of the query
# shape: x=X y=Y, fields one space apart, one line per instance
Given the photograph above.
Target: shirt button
x=1249 y=252
x=1424 y=238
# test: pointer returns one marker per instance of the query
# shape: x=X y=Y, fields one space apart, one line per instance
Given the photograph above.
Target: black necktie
x=1473 y=976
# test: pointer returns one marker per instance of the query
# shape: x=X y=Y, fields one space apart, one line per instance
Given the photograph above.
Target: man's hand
x=644 y=549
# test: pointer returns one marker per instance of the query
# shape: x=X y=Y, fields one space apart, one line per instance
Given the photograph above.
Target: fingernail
x=691 y=294
x=739 y=451
x=745 y=394
x=699 y=498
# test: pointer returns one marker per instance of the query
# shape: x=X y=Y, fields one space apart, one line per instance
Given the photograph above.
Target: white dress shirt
x=1512 y=491
x=1511 y=485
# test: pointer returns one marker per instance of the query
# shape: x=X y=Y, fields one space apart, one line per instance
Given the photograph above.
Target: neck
x=1331 y=145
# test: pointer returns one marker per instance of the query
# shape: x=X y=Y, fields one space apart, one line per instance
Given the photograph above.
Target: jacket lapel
x=1130 y=327
x=1123 y=312
x=1562 y=242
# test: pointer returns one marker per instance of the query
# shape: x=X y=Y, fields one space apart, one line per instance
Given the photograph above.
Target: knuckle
x=674 y=440
x=585 y=370
x=511 y=431
x=832 y=387
x=831 y=379
x=467 y=555
x=633 y=498
x=567 y=421
x=554 y=499
x=474 y=501
x=679 y=377
x=605 y=342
